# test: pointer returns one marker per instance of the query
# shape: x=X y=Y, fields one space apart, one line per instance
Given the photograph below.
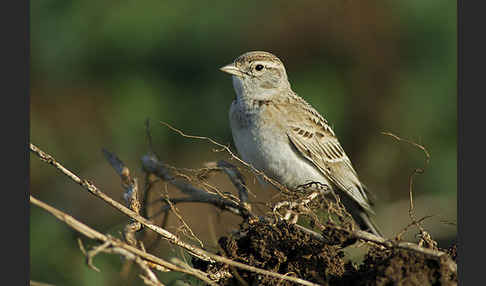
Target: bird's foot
x=294 y=208
x=314 y=187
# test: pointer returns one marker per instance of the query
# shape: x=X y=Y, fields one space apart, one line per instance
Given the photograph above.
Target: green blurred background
x=100 y=68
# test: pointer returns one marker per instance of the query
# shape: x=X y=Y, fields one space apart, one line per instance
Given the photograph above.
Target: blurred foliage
x=100 y=68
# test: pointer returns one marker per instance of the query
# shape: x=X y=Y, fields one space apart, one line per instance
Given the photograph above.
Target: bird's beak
x=231 y=69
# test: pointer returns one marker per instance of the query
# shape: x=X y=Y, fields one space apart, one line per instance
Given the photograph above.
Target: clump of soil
x=285 y=249
x=400 y=267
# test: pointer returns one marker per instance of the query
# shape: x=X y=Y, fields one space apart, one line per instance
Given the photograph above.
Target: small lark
x=280 y=134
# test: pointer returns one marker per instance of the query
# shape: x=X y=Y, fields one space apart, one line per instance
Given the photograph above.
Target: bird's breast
x=261 y=140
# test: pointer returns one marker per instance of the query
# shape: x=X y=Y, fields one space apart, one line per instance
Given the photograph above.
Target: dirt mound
x=400 y=267
x=285 y=249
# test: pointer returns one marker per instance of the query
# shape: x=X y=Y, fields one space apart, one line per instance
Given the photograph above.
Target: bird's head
x=258 y=75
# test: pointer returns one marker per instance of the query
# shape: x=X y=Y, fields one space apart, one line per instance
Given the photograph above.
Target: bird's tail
x=361 y=216
x=366 y=223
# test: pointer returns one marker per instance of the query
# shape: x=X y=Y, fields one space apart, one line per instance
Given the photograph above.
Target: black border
x=15 y=46
x=471 y=142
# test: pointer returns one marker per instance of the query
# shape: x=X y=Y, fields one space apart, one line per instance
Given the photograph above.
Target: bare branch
x=425 y=236
x=150 y=278
x=366 y=236
x=185 y=226
x=131 y=194
x=260 y=271
x=213 y=200
x=110 y=244
x=236 y=178
x=427 y=154
x=152 y=165
x=276 y=184
x=95 y=191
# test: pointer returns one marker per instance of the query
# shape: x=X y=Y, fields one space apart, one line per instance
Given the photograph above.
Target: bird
x=283 y=136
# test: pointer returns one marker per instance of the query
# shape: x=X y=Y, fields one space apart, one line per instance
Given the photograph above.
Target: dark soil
x=285 y=249
x=400 y=267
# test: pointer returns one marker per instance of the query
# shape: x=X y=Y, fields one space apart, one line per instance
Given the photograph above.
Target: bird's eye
x=259 y=67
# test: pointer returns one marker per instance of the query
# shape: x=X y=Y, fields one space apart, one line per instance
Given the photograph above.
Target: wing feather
x=314 y=139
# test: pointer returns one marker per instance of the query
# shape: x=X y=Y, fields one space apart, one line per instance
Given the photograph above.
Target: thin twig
x=236 y=178
x=369 y=237
x=366 y=236
x=152 y=165
x=260 y=271
x=95 y=191
x=425 y=236
x=150 y=278
x=112 y=243
x=185 y=226
x=131 y=194
x=215 y=201
x=227 y=149
x=416 y=171
x=427 y=154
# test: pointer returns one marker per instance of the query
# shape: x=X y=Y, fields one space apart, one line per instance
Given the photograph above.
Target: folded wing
x=314 y=139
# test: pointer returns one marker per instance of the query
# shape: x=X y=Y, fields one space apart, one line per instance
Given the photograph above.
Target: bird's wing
x=314 y=139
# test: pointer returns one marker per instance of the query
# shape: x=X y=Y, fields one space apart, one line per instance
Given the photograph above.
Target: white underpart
x=268 y=149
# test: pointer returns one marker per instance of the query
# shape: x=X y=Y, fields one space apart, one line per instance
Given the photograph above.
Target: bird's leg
x=288 y=212
x=294 y=208
x=314 y=187
x=280 y=205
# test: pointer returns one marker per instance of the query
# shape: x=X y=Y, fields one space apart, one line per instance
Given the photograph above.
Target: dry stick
x=145 y=210
x=237 y=179
x=95 y=191
x=413 y=223
x=185 y=226
x=369 y=237
x=366 y=236
x=215 y=201
x=227 y=149
x=417 y=171
x=118 y=246
x=149 y=278
x=195 y=251
x=214 y=167
x=167 y=200
x=152 y=165
x=260 y=271
x=131 y=195
x=148 y=185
